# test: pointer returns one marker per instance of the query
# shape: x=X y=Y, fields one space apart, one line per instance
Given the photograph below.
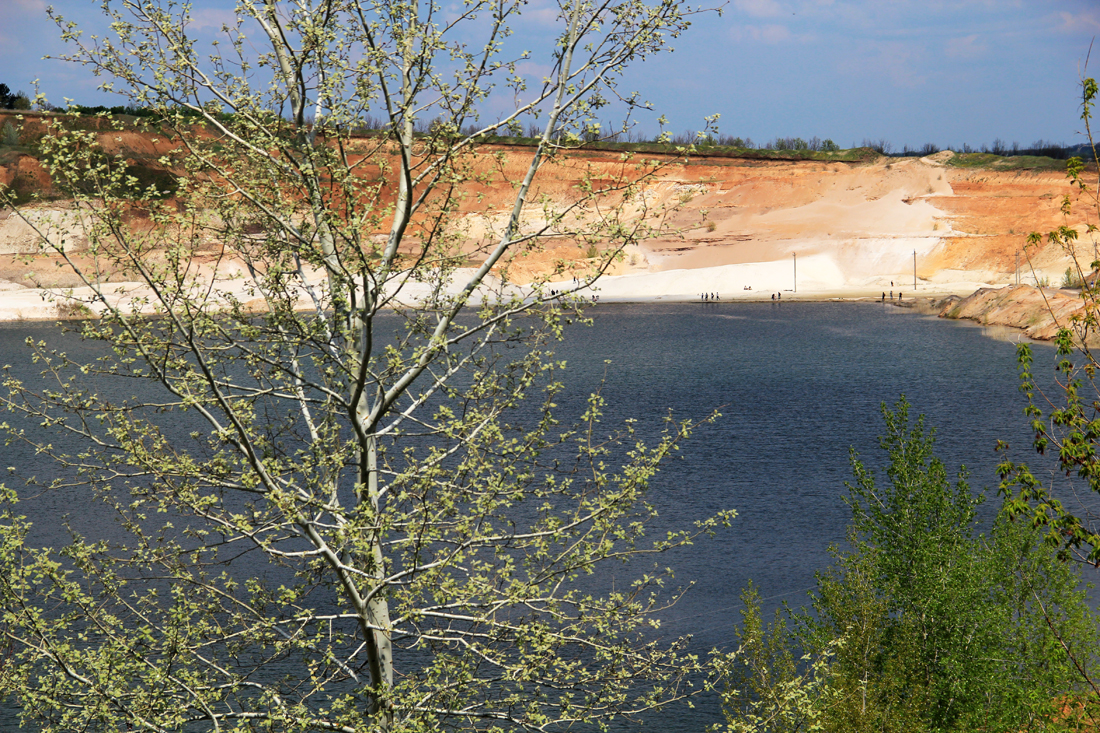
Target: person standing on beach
x=884 y=296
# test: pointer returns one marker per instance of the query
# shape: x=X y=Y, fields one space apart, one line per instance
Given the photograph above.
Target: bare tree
x=346 y=345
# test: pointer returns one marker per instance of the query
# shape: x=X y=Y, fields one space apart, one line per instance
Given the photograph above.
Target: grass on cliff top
x=851 y=155
x=104 y=121
x=1013 y=162
x=705 y=152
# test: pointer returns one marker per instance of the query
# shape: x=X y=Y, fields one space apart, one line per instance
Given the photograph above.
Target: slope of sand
x=852 y=230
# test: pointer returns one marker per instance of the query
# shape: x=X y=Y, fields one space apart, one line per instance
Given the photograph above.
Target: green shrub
x=924 y=624
x=9 y=135
x=1071 y=278
x=22 y=189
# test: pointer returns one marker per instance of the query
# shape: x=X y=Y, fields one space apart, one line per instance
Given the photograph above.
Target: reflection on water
x=1005 y=333
x=797 y=384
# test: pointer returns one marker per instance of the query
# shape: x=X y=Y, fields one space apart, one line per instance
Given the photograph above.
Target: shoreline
x=41 y=305
x=939 y=303
x=956 y=296
x=22 y=304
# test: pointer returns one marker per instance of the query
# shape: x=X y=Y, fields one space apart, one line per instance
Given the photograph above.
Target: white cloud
x=29 y=6
x=541 y=15
x=770 y=33
x=967 y=47
x=534 y=73
x=213 y=19
x=1077 y=22
x=900 y=64
x=759 y=8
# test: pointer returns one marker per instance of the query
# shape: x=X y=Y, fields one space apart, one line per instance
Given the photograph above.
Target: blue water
x=797 y=384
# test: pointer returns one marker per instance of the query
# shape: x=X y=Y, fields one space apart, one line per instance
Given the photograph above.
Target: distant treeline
x=13 y=100
x=1043 y=148
x=373 y=125
x=129 y=110
x=703 y=140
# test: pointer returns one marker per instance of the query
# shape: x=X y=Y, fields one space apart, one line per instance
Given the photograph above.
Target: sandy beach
x=819 y=278
x=821 y=282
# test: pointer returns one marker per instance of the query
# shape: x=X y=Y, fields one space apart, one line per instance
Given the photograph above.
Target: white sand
x=820 y=277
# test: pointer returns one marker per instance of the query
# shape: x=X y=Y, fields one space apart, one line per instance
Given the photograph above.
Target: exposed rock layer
x=843 y=229
x=1038 y=312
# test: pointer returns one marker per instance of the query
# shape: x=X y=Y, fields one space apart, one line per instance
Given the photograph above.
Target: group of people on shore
x=891 y=296
x=707 y=297
x=559 y=293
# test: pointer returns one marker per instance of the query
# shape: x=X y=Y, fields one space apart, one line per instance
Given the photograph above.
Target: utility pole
x=1017 y=267
x=795 y=256
x=914 y=271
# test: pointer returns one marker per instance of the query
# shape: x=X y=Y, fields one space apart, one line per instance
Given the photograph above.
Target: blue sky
x=907 y=71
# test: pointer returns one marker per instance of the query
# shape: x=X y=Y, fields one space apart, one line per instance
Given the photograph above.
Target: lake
x=797 y=384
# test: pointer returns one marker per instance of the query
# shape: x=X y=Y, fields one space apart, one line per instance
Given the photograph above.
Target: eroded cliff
x=853 y=229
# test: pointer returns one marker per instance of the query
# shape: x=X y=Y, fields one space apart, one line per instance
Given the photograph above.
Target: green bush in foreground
x=923 y=624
